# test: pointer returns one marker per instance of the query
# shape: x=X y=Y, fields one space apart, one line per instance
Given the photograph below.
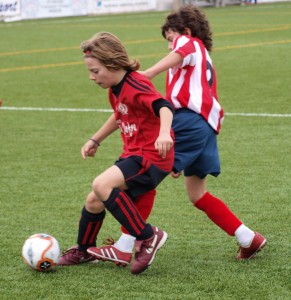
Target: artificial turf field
x=50 y=109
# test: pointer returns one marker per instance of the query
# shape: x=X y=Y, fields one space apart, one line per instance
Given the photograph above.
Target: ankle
x=244 y=236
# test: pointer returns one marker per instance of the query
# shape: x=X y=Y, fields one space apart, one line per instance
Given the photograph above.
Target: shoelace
x=238 y=250
x=66 y=251
x=109 y=241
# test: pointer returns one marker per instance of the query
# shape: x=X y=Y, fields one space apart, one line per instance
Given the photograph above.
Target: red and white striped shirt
x=193 y=83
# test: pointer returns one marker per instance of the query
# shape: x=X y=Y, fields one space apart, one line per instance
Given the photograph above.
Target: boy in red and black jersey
x=144 y=119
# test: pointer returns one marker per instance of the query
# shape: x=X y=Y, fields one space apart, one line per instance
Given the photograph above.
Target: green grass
x=44 y=181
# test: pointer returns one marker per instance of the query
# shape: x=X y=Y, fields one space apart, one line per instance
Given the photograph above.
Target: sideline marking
x=110 y=111
x=71 y=48
x=56 y=65
x=284 y=27
x=252 y=45
x=55 y=109
x=144 y=41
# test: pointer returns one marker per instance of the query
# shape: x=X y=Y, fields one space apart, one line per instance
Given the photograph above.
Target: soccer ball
x=41 y=252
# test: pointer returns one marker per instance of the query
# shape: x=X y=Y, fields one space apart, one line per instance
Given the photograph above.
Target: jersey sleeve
x=158 y=104
x=184 y=46
x=145 y=92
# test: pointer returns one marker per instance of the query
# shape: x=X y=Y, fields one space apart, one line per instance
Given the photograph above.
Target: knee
x=96 y=185
x=90 y=200
x=101 y=188
x=93 y=204
x=193 y=200
x=194 y=197
x=196 y=188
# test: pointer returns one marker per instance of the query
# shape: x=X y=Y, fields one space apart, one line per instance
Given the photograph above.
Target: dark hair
x=191 y=17
x=109 y=50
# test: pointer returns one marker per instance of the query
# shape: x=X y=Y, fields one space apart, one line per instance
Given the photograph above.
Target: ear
x=187 y=31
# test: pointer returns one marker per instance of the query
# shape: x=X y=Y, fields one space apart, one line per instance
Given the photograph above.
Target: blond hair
x=109 y=50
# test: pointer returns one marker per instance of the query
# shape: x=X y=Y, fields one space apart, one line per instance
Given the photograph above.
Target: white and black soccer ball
x=41 y=252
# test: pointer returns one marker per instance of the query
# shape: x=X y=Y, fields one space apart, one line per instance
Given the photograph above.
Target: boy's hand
x=176 y=175
x=163 y=144
x=89 y=149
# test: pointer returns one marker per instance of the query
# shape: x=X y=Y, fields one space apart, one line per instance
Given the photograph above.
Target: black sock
x=89 y=227
x=124 y=211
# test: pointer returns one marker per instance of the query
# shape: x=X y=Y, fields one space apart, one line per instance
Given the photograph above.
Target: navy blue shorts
x=196 y=151
x=140 y=174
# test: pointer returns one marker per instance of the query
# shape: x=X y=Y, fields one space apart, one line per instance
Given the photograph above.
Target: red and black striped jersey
x=132 y=101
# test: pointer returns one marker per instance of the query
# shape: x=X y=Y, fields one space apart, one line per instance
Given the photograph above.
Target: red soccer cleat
x=74 y=256
x=145 y=250
x=257 y=244
x=111 y=253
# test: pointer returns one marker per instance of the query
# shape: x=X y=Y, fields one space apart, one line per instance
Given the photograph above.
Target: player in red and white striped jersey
x=192 y=84
x=191 y=88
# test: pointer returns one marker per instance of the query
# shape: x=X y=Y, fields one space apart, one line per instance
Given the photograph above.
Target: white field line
x=110 y=111
x=55 y=109
x=259 y=115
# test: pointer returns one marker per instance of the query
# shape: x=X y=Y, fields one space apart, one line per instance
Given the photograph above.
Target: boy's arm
x=164 y=141
x=171 y=60
x=90 y=148
x=106 y=129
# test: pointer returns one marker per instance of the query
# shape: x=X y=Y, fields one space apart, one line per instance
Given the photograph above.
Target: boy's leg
x=149 y=239
x=121 y=252
x=218 y=212
x=89 y=227
x=135 y=174
x=144 y=204
x=124 y=211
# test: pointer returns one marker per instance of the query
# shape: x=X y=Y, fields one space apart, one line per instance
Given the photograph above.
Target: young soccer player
x=144 y=118
x=191 y=88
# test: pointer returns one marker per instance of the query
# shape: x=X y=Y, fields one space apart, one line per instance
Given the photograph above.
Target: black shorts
x=140 y=175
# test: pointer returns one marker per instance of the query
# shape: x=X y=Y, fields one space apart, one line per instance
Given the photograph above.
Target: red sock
x=144 y=205
x=218 y=212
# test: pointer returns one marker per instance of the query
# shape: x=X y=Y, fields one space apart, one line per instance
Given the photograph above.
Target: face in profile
x=101 y=75
x=170 y=36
